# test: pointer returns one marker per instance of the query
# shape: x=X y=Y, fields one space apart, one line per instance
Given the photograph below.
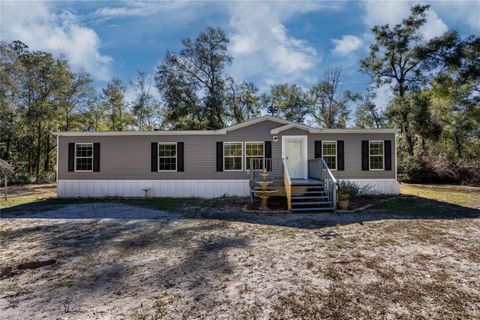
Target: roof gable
x=255 y=121
x=291 y=125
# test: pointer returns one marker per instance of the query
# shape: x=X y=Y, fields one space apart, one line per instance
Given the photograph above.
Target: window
x=84 y=157
x=329 y=153
x=167 y=156
x=375 y=153
x=254 y=150
x=232 y=156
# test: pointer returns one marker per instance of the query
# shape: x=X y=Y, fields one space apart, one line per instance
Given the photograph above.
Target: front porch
x=315 y=192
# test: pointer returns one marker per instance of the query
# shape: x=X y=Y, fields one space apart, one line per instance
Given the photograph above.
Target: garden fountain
x=264 y=190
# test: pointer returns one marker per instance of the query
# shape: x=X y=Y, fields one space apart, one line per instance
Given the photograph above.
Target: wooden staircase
x=317 y=193
x=310 y=195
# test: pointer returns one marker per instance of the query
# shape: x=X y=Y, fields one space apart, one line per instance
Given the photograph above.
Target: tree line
x=435 y=88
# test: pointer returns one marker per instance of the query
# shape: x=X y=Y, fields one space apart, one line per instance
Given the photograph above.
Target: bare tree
x=329 y=107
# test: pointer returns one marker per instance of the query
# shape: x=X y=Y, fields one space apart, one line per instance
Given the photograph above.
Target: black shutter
x=268 y=155
x=96 y=157
x=318 y=149
x=154 y=157
x=180 y=156
x=388 y=154
x=364 y=155
x=219 y=156
x=71 y=156
x=340 y=156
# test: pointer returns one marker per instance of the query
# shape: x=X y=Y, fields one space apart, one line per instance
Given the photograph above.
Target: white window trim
x=75 y=162
x=245 y=152
x=158 y=156
x=242 y=156
x=376 y=155
x=336 y=153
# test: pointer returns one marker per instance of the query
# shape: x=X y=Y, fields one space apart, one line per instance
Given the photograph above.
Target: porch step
x=308 y=191
x=310 y=195
x=308 y=203
x=313 y=209
x=296 y=192
x=306 y=183
x=294 y=197
x=307 y=187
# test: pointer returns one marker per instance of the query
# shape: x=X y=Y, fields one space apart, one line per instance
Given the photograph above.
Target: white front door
x=294 y=151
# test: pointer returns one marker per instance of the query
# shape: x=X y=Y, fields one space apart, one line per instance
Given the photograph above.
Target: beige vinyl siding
x=352 y=151
x=353 y=154
x=128 y=157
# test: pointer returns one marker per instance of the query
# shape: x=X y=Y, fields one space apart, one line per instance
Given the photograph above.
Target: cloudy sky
x=271 y=42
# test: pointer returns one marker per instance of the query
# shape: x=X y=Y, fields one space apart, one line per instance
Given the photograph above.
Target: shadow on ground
x=100 y=252
x=111 y=251
x=405 y=207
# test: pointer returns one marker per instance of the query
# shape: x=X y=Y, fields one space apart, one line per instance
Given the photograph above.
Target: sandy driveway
x=114 y=261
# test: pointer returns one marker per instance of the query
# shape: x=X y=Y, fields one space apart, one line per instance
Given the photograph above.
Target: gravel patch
x=116 y=261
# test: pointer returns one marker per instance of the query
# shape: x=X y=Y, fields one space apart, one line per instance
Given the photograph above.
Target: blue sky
x=271 y=42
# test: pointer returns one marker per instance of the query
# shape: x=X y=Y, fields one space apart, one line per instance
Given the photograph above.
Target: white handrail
x=325 y=165
x=333 y=182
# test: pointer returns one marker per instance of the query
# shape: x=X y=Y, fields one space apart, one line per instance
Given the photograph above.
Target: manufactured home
x=215 y=163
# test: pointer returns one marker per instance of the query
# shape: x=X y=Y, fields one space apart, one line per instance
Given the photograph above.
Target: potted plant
x=347 y=191
x=343 y=199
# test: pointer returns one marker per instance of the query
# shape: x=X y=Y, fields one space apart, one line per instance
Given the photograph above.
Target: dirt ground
x=118 y=261
x=39 y=191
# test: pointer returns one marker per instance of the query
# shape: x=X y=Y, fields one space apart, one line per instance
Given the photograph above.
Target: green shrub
x=348 y=188
x=343 y=196
x=46 y=177
x=439 y=169
x=18 y=179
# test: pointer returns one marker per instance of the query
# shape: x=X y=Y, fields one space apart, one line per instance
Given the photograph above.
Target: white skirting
x=158 y=188
x=378 y=186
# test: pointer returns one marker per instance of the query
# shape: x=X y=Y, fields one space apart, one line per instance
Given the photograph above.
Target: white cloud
x=261 y=45
x=259 y=40
x=434 y=27
x=347 y=44
x=393 y=12
x=383 y=95
x=60 y=33
x=467 y=12
x=137 y=9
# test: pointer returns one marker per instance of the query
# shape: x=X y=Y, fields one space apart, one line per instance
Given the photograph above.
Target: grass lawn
x=407 y=258
x=459 y=195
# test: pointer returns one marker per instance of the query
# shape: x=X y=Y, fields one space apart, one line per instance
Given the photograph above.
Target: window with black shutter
x=96 y=157
x=388 y=154
x=318 y=149
x=329 y=153
x=254 y=155
x=376 y=155
x=268 y=155
x=340 y=155
x=83 y=157
x=180 y=156
x=219 y=156
x=154 y=157
x=167 y=156
x=365 y=164
x=71 y=156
